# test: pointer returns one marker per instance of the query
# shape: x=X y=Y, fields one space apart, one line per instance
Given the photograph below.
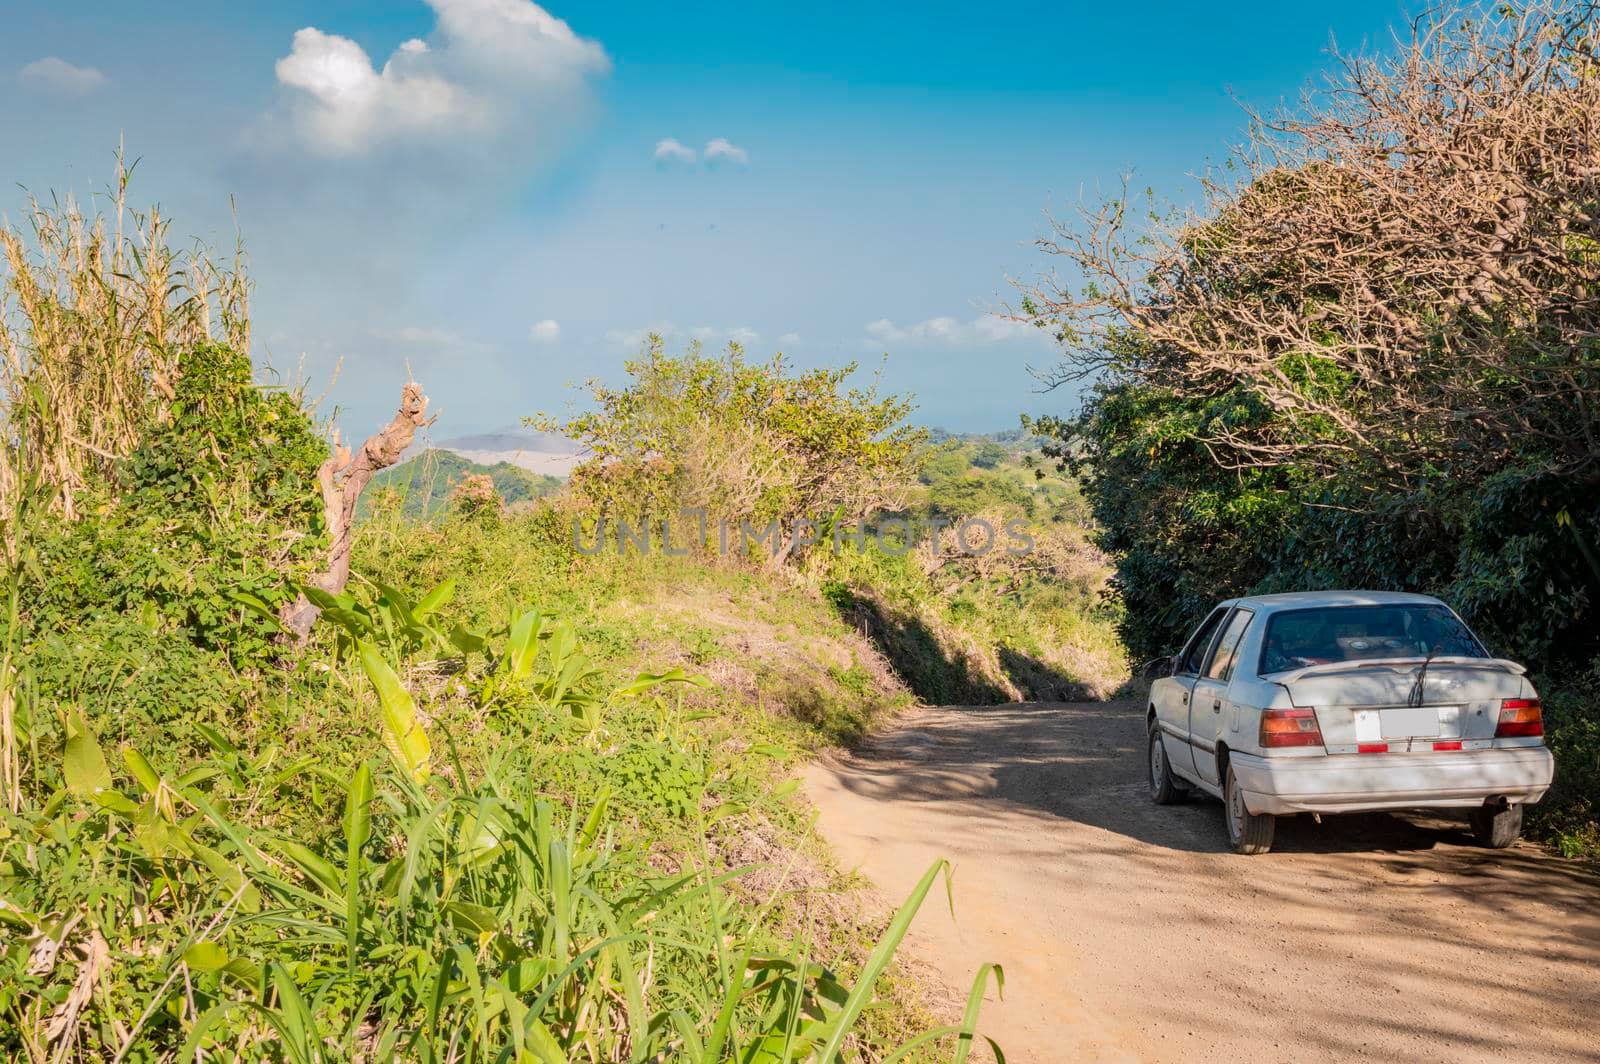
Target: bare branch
x=1406 y=270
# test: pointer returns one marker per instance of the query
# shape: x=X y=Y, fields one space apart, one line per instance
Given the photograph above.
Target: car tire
x=1496 y=826
x=1165 y=788
x=1247 y=831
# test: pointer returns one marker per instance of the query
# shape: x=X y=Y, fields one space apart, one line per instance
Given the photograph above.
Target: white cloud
x=711 y=336
x=721 y=149
x=545 y=332
x=671 y=150
x=351 y=106
x=516 y=39
x=492 y=65
x=633 y=340
x=790 y=339
x=715 y=335
x=59 y=76
x=981 y=331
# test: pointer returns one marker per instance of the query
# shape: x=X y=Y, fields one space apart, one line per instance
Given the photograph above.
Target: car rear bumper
x=1352 y=783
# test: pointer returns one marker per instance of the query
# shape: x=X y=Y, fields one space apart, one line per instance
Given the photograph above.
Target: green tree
x=743 y=442
x=1317 y=380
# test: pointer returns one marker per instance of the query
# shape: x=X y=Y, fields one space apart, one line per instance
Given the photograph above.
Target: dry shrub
x=1405 y=270
x=475 y=493
x=1059 y=553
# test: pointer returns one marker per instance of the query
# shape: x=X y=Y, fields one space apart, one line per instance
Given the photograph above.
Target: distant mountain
x=428 y=478
x=538 y=452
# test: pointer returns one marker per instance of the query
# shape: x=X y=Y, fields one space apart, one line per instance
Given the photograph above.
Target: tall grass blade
x=522 y=646
x=969 y=1018
x=357 y=827
x=881 y=955
x=436 y=598
x=723 y=1027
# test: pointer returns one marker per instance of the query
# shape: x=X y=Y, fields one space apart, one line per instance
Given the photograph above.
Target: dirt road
x=1128 y=933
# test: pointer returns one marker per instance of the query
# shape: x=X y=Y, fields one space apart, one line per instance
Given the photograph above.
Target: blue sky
x=492 y=205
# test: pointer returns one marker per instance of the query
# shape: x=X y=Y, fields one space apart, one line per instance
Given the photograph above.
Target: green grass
x=551 y=858
x=447 y=919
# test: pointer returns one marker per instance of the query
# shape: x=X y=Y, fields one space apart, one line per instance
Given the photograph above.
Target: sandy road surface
x=1128 y=933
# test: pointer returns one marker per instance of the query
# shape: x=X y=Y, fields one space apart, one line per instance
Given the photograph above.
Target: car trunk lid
x=1378 y=706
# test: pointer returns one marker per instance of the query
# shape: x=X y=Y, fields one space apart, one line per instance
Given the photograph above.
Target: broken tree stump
x=343 y=477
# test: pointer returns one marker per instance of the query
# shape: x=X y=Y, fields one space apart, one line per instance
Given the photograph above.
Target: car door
x=1208 y=705
x=1175 y=692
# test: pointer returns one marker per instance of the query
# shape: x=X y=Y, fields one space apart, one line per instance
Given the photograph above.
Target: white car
x=1342 y=702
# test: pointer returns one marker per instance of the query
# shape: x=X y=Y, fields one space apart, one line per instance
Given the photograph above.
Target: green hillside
x=426 y=482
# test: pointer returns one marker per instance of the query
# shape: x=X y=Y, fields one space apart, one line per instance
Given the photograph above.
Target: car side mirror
x=1156 y=668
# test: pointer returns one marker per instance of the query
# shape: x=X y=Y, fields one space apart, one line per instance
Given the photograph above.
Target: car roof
x=1297 y=600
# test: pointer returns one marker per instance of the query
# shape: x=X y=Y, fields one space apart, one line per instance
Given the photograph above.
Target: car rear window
x=1323 y=635
x=1221 y=667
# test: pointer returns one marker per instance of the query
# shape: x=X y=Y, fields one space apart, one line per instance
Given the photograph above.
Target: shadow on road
x=1372 y=935
x=1084 y=762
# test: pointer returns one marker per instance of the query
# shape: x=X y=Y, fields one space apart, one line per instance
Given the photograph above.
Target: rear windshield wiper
x=1415 y=697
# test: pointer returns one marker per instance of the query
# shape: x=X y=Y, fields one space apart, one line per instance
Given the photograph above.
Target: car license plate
x=1411 y=721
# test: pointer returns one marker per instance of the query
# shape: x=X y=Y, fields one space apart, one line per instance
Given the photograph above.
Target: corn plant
x=96 y=311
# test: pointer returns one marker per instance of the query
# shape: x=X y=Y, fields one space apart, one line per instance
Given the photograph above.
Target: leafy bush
x=135 y=605
x=1570 y=813
x=740 y=442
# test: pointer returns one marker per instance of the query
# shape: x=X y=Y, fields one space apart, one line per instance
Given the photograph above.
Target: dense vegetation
x=1370 y=361
x=510 y=802
x=975 y=579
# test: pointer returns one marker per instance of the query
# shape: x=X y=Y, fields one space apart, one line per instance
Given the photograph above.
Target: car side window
x=1190 y=664
x=1222 y=658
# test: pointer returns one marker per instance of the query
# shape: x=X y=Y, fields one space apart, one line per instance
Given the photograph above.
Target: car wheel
x=1496 y=826
x=1247 y=832
x=1165 y=789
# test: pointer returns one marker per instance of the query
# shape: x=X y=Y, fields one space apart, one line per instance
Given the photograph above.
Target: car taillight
x=1290 y=727
x=1519 y=717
